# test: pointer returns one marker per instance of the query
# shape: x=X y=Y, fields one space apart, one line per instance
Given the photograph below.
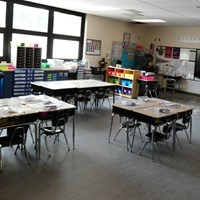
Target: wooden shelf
x=126 y=79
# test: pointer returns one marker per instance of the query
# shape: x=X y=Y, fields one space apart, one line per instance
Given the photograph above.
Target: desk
x=27 y=109
x=148 y=112
x=172 y=76
x=142 y=89
x=61 y=88
x=14 y=114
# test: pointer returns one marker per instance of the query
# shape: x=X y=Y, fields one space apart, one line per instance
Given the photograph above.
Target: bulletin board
x=93 y=47
x=124 y=54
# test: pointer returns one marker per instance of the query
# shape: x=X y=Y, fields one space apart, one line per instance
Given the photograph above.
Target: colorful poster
x=168 y=52
x=151 y=49
x=93 y=47
x=176 y=52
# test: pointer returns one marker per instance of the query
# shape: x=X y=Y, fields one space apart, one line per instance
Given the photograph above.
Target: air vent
x=132 y=15
x=136 y=23
x=134 y=11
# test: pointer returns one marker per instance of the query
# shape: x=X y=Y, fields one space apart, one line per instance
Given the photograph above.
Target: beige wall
x=108 y=30
x=169 y=36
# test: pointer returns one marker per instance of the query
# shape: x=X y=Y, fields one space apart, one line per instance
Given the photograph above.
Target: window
x=30 y=18
x=71 y=25
x=2 y=14
x=65 y=49
x=30 y=40
x=59 y=32
x=1 y=45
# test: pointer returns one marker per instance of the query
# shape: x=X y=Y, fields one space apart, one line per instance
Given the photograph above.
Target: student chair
x=83 y=98
x=15 y=136
x=159 y=137
x=170 y=84
x=151 y=90
x=57 y=127
x=130 y=125
x=100 y=96
x=184 y=125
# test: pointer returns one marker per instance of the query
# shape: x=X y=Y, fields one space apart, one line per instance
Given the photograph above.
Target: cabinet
x=126 y=79
x=23 y=78
x=26 y=57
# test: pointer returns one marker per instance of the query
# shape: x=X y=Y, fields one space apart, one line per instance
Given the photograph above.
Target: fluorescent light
x=102 y=8
x=148 y=20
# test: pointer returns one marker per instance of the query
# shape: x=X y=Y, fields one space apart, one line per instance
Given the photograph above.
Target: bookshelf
x=126 y=79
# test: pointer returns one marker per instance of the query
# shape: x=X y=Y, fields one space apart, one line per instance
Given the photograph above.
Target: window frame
x=9 y=30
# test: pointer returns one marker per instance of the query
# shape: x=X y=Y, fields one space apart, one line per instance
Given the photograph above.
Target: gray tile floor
x=97 y=170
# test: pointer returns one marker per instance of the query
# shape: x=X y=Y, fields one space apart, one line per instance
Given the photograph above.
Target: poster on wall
x=168 y=52
x=126 y=37
x=93 y=47
x=122 y=54
x=116 y=51
x=176 y=52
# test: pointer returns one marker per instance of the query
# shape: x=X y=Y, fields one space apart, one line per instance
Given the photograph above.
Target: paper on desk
x=32 y=98
x=129 y=102
x=12 y=109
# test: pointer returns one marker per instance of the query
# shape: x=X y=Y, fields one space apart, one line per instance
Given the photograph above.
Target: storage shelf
x=125 y=79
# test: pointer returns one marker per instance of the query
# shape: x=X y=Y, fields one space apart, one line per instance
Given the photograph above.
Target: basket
x=149 y=78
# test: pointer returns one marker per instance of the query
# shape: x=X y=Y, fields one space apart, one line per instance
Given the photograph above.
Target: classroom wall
x=108 y=30
x=170 y=36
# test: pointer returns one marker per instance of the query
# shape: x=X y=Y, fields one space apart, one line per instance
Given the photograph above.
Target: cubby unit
x=126 y=79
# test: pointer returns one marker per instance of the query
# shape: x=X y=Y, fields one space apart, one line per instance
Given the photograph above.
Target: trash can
x=1 y=84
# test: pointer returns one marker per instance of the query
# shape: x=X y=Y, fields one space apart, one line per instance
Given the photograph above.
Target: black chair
x=100 y=96
x=184 y=125
x=170 y=84
x=151 y=90
x=15 y=136
x=83 y=98
x=130 y=125
x=159 y=137
x=58 y=122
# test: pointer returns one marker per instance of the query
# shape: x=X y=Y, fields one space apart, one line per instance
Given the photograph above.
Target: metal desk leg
x=113 y=95
x=152 y=143
x=190 y=130
x=36 y=141
x=174 y=138
x=127 y=137
x=73 y=133
x=39 y=139
x=110 y=127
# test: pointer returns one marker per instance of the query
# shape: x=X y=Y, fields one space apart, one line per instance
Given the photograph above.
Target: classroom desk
x=173 y=76
x=148 y=112
x=142 y=85
x=27 y=110
x=61 y=88
x=14 y=114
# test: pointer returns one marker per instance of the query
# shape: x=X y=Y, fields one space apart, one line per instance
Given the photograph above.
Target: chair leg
x=157 y=151
x=187 y=135
x=31 y=134
x=168 y=147
x=133 y=137
x=140 y=133
x=1 y=162
x=25 y=151
x=18 y=146
x=45 y=139
x=144 y=147
x=27 y=156
x=66 y=141
x=121 y=127
x=178 y=141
